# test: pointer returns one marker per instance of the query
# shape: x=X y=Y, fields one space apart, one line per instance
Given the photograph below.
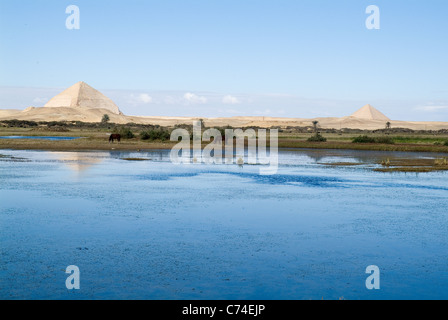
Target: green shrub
x=363 y=139
x=367 y=139
x=317 y=138
x=20 y=123
x=105 y=118
x=446 y=143
x=125 y=132
x=155 y=134
x=144 y=135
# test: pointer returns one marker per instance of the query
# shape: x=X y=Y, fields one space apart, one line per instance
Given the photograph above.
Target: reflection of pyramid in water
x=369 y=113
x=84 y=96
x=77 y=161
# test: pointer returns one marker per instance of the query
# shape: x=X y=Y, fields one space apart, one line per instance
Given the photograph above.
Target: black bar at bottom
x=209 y=309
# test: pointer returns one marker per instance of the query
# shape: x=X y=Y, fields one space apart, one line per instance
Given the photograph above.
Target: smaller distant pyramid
x=369 y=113
x=84 y=96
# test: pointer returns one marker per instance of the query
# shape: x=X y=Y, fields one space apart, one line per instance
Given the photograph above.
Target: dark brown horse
x=114 y=137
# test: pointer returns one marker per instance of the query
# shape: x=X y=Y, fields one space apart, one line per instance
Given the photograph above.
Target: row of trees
x=317 y=137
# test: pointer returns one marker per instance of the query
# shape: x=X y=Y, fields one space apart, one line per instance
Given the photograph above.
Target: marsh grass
x=414 y=165
x=412 y=169
x=419 y=139
x=441 y=162
x=96 y=138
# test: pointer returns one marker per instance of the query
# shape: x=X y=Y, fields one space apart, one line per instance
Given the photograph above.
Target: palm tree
x=388 y=125
x=315 y=123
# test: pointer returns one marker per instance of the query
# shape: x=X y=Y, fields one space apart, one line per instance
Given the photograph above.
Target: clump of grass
x=367 y=139
x=409 y=162
x=385 y=163
x=441 y=143
x=441 y=162
x=317 y=138
x=414 y=165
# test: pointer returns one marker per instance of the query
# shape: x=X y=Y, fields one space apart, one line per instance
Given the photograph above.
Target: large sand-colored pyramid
x=81 y=95
x=369 y=113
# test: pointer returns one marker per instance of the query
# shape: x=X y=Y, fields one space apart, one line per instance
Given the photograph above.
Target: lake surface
x=39 y=138
x=154 y=230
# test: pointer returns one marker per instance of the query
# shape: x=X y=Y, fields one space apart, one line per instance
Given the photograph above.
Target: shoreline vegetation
x=400 y=165
x=137 y=137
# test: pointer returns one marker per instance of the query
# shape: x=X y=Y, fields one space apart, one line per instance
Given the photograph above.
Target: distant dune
x=83 y=103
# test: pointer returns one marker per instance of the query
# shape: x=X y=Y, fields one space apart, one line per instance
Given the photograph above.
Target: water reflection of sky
x=155 y=230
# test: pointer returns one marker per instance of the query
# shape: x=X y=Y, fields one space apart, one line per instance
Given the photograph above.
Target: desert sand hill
x=83 y=103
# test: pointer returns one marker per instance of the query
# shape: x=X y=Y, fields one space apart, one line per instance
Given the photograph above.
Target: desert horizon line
x=94 y=99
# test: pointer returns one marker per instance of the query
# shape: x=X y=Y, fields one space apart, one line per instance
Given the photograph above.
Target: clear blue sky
x=231 y=57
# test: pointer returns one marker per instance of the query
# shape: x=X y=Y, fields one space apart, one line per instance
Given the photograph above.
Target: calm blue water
x=153 y=230
x=39 y=138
